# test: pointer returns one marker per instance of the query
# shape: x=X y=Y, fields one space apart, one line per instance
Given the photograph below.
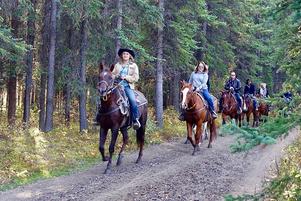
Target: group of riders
x=199 y=81
x=127 y=73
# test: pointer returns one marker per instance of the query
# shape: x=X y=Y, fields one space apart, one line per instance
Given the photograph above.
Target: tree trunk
x=82 y=97
x=67 y=88
x=176 y=90
x=159 y=72
x=51 y=62
x=29 y=62
x=118 y=28
x=12 y=79
x=44 y=52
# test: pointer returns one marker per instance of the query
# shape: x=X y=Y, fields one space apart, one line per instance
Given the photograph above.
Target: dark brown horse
x=263 y=108
x=248 y=109
x=196 y=113
x=115 y=116
x=230 y=107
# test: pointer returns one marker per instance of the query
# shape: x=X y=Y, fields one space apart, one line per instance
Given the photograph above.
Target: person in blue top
x=199 y=79
x=250 y=90
x=127 y=72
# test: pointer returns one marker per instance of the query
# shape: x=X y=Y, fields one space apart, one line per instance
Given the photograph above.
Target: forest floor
x=167 y=172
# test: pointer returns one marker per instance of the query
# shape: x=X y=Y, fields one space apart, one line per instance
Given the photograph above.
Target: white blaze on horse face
x=184 y=92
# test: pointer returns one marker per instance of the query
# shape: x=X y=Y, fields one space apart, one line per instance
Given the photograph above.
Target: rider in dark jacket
x=250 y=90
x=234 y=85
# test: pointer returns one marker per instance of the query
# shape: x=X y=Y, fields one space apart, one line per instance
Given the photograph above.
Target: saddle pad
x=140 y=98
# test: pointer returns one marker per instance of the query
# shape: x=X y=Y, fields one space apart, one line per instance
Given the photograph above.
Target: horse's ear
x=101 y=67
x=182 y=83
x=112 y=67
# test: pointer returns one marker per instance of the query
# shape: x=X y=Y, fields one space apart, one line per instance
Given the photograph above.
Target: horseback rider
x=126 y=71
x=234 y=85
x=250 y=90
x=199 y=79
x=263 y=91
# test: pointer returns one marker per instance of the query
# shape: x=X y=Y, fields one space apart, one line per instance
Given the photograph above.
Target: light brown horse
x=196 y=113
x=248 y=105
x=229 y=107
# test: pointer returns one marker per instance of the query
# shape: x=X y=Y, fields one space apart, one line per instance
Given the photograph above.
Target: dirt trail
x=167 y=172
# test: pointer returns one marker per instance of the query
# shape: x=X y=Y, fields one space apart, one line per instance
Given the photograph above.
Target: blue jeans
x=133 y=105
x=208 y=98
x=237 y=96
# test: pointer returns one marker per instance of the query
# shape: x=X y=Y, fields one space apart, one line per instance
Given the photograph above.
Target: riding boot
x=220 y=106
x=239 y=111
x=213 y=114
x=181 y=117
x=136 y=124
x=96 y=120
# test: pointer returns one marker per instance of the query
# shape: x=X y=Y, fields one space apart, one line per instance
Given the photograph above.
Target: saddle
x=124 y=105
x=208 y=114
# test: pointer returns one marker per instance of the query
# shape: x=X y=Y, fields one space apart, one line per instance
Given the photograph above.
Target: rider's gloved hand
x=231 y=88
x=198 y=89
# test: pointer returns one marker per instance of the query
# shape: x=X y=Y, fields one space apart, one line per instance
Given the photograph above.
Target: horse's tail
x=140 y=135
x=213 y=129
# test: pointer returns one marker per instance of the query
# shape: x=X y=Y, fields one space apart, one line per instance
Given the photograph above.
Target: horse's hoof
x=106 y=158
x=209 y=145
x=138 y=161
x=119 y=160
x=107 y=171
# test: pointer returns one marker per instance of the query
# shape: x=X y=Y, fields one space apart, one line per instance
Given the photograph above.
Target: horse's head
x=226 y=97
x=106 y=81
x=186 y=90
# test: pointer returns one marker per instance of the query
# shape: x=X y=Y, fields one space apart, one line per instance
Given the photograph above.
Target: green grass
x=28 y=155
x=266 y=133
x=60 y=171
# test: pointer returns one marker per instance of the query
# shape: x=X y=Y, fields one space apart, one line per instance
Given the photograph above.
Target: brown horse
x=196 y=113
x=230 y=107
x=263 y=108
x=115 y=116
x=248 y=105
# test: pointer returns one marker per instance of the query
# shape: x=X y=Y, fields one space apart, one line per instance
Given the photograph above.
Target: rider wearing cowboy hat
x=127 y=72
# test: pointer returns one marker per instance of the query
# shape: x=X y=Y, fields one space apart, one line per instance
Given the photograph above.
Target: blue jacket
x=233 y=83
x=250 y=89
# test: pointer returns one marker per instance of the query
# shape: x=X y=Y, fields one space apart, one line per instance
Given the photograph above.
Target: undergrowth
x=276 y=125
x=27 y=155
x=285 y=184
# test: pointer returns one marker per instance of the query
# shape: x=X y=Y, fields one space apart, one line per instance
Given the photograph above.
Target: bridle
x=231 y=96
x=109 y=88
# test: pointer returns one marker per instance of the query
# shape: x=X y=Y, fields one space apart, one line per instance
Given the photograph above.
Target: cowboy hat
x=121 y=50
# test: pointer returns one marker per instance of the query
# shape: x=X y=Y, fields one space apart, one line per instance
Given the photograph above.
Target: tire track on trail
x=167 y=172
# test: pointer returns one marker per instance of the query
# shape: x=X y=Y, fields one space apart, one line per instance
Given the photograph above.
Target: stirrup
x=213 y=114
x=181 y=117
x=136 y=124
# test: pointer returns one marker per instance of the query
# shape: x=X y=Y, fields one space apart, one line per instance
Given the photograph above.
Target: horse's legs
x=255 y=117
x=224 y=118
x=239 y=120
x=205 y=130
x=198 y=137
x=125 y=139
x=213 y=132
x=189 y=133
x=140 y=133
x=111 y=149
x=248 y=118
x=102 y=139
